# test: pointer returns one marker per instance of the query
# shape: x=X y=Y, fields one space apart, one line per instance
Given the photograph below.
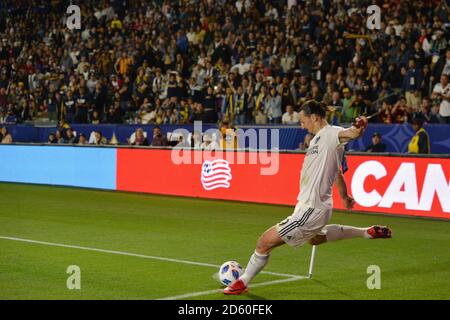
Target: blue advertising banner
x=80 y=167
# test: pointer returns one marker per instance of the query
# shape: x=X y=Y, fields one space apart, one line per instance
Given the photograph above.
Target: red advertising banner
x=153 y=171
x=397 y=185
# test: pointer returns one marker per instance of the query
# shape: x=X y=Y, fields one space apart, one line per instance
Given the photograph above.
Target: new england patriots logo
x=216 y=174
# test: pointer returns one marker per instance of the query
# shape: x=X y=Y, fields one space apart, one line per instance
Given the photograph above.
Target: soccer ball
x=229 y=272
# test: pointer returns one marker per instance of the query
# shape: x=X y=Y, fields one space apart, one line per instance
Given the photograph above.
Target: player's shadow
x=333 y=289
x=255 y=297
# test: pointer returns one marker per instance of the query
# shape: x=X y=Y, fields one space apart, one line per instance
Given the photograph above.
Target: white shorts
x=303 y=225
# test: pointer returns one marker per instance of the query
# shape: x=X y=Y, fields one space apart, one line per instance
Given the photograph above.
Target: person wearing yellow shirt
x=229 y=104
x=420 y=143
x=229 y=138
x=103 y=62
x=116 y=23
x=123 y=63
x=199 y=35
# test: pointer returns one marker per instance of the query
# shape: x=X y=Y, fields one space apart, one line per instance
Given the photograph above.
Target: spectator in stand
x=182 y=143
x=291 y=117
x=11 y=117
x=399 y=111
x=287 y=96
x=3 y=98
x=51 y=138
x=59 y=102
x=441 y=91
x=95 y=118
x=377 y=145
x=158 y=139
x=209 y=103
x=349 y=112
x=82 y=139
x=242 y=101
x=123 y=64
x=260 y=113
x=99 y=139
x=69 y=107
x=306 y=142
x=198 y=113
x=385 y=115
x=2 y=116
x=229 y=104
x=70 y=137
x=196 y=140
x=139 y=138
x=358 y=106
x=424 y=110
x=114 y=114
x=6 y=137
x=411 y=84
x=209 y=143
x=59 y=136
x=335 y=108
x=273 y=106
x=81 y=106
x=434 y=116
x=242 y=67
x=442 y=66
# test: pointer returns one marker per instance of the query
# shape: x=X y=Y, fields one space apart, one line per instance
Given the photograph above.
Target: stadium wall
x=395 y=136
x=397 y=185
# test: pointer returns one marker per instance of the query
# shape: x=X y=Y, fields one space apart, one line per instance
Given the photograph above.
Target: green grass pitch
x=415 y=263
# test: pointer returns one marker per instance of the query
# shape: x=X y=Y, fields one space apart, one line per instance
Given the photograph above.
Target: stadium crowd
x=244 y=61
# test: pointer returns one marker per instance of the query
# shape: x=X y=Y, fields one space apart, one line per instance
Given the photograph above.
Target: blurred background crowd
x=244 y=61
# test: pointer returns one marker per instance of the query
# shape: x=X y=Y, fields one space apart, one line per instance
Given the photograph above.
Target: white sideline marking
x=138 y=255
x=195 y=294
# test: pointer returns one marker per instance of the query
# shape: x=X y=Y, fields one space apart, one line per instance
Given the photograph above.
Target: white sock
x=338 y=232
x=256 y=263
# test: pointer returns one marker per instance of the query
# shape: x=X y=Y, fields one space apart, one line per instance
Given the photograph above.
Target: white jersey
x=320 y=168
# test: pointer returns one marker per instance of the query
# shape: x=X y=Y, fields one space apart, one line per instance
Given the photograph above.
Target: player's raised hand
x=361 y=122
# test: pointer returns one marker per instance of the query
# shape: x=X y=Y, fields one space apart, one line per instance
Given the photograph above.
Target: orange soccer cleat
x=236 y=288
x=379 y=232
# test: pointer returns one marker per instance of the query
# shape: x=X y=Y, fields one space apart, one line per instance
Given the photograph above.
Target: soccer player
x=308 y=223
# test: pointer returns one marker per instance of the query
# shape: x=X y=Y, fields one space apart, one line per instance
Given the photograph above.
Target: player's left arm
x=348 y=200
x=354 y=132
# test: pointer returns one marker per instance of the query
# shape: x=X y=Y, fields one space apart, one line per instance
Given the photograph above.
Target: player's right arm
x=354 y=132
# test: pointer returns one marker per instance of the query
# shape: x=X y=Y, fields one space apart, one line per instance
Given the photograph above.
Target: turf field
x=134 y=246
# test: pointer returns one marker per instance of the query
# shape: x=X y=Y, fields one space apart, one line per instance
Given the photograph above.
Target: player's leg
x=269 y=240
x=295 y=230
x=266 y=243
x=335 y=232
